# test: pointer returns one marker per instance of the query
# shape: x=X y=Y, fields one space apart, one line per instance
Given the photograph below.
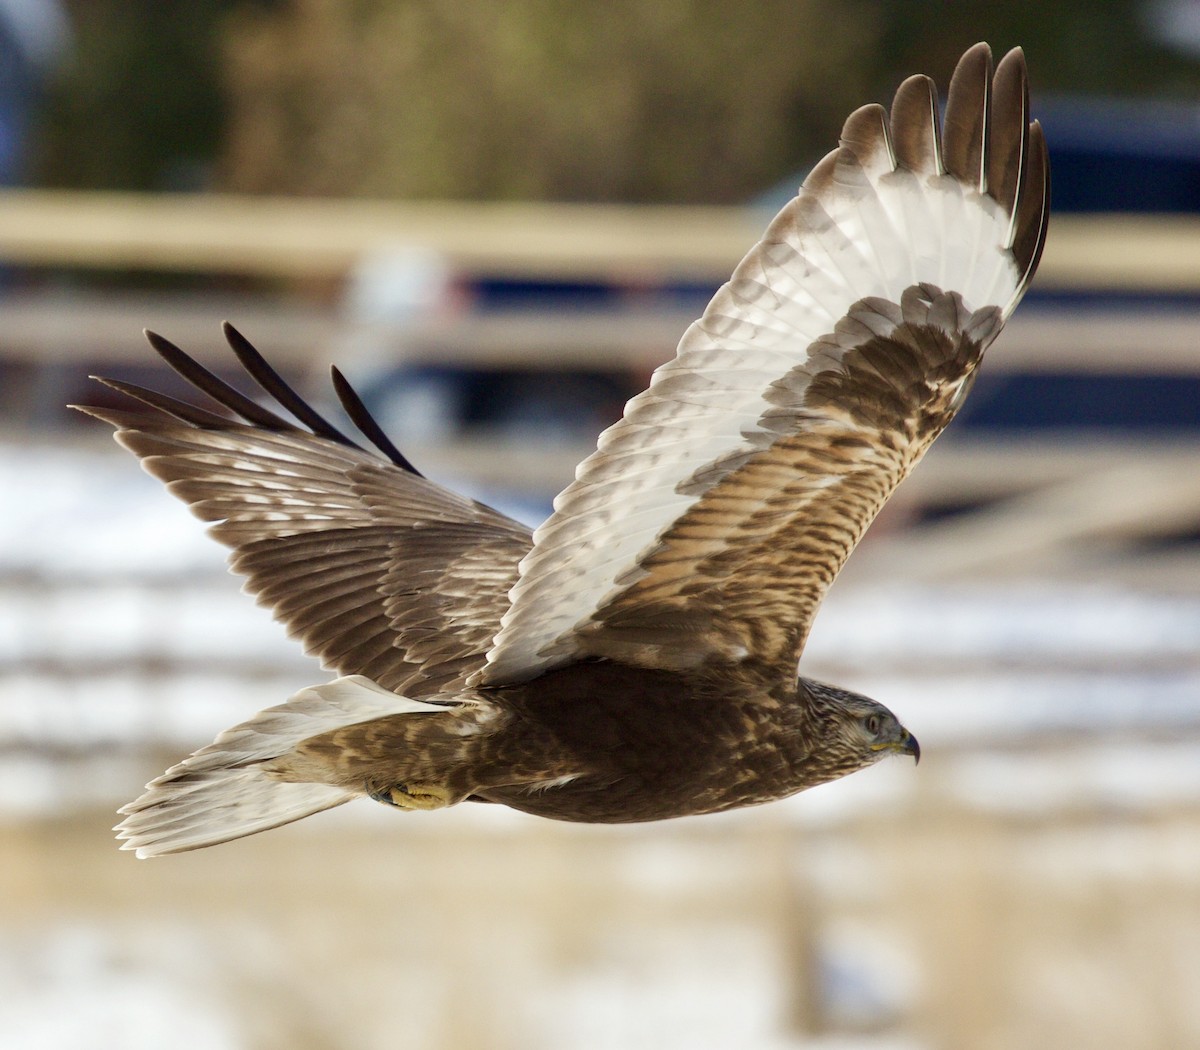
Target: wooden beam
x=301 y=237
x=304 y=238
x=61 y=326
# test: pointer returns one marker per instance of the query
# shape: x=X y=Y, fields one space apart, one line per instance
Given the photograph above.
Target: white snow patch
x=76 y=986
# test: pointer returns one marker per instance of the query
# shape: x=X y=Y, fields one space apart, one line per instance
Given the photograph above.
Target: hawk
x=634 y=658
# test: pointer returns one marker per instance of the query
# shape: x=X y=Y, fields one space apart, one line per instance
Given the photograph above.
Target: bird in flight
x=635 y=657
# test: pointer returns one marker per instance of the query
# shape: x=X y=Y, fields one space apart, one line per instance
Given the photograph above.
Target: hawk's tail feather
x=217 y=806
x=226 y=790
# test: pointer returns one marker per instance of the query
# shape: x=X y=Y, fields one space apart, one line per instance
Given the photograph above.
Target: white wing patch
x=860 y=227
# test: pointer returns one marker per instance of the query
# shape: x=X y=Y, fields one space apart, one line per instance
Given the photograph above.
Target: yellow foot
x=415 y=796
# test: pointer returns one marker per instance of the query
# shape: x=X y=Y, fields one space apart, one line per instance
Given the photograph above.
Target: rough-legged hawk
x=636 y=656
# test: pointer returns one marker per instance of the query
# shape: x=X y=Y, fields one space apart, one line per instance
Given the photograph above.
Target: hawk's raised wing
x=376 y=569
x=713 y=517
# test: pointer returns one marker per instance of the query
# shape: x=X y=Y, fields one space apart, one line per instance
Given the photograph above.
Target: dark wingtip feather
x=820 y=178
x=1008 y=150
x=273 y=384
x=365 y=422
x=1033 y=209
x=229 y=398
x=220 y=391
x=865 y=135
x=116 y=418
x=968 y=114
x=915 y=129
x=197 y=417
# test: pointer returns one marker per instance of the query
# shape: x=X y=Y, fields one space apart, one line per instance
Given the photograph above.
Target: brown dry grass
x=449 y=931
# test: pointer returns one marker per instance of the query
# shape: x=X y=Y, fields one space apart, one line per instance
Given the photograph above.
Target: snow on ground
x=120 y=632
x=73 y=987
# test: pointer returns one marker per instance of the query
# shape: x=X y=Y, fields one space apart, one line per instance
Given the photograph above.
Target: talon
x=414 y=796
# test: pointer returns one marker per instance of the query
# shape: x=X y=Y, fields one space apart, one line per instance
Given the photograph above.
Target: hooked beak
x=906 y=745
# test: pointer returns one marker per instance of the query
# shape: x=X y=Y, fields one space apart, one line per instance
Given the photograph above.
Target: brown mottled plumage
x=635 y=657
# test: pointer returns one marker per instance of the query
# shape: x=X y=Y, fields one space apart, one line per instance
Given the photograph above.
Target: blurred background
x=497 y=219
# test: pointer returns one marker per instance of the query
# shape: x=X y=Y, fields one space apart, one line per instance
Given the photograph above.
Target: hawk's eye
x=873 y=724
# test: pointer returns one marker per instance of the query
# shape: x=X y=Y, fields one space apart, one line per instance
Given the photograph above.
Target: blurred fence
x=313 y=238
x=1040 y=496
x=1032 y=884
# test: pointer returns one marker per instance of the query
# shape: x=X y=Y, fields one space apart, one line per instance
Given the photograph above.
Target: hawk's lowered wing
x=377 y=570
x=713 y=517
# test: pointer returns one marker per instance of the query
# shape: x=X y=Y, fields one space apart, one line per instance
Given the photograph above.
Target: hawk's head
x=856 y=731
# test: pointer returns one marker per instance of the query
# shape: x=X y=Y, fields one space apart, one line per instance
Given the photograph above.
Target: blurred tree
x=671 y=100
x=1077 y=46
x=138 y=104
x=681 y=100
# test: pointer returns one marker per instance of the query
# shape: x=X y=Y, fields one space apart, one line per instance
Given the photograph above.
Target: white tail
x=222 y=791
